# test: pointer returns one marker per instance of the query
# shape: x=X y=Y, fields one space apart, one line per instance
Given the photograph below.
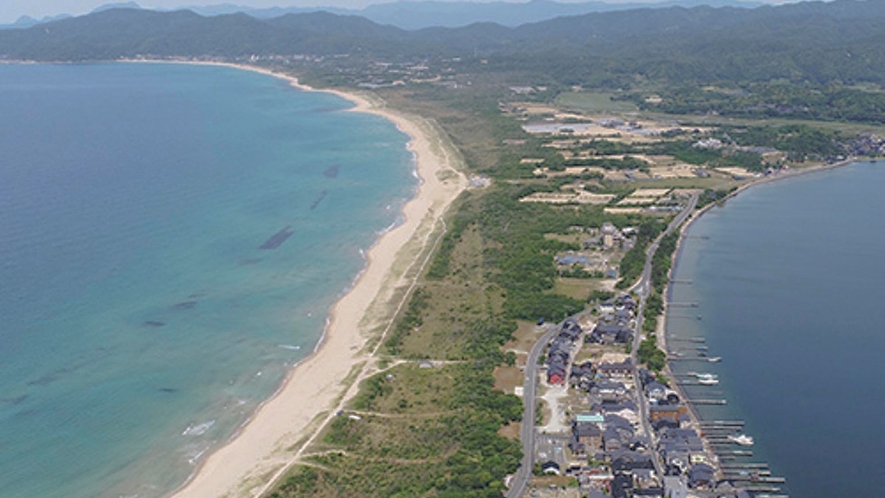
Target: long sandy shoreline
x=281 y=429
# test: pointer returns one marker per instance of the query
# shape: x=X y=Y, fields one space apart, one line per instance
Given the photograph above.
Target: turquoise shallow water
x=788 y=277
x=141 y=323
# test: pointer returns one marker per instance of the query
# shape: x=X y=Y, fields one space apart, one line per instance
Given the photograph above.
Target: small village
x=618 y=430
x=609 y=426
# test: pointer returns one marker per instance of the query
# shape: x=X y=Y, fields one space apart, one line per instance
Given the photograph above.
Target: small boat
x=715 y=359
x=706 y=379
x=742 y=439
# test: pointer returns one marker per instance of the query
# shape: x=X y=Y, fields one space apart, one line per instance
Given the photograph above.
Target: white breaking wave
x=198 y=429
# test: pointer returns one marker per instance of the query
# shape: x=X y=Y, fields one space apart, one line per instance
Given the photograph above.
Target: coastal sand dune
x=280 y=431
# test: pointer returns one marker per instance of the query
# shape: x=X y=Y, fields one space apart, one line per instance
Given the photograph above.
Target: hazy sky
x=10 y=10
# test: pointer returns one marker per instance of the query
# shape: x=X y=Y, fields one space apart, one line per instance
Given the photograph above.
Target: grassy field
x=470 y=117
x=507 y=378
x=522 y=340
x=409 y=389
x=578 y=288
x=457 y=301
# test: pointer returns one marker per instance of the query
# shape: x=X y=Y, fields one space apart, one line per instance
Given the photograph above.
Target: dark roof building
x=700 y=476
x=627 y=461
x=622 y=369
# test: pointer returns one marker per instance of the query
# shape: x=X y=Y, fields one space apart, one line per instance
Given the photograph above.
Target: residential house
x=586 y=438
x=615 y=370
x=606 y=307
x=570 y=330
x=626 y=302
x=664 y=423
x=609 y=389
x=645 y=478
x=623 y=316
x=701 y=476
x=630 y=461
x=622 y=485
x=614 y=439
x=611 y=333
x=582 y=375
x=556 y=372
x=618 y=422
x=656 y=391
x=626 y=410
x=681 y=439
x=672 y=412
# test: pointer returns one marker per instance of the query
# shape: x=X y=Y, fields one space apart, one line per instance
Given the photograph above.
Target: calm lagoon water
x=789 y=277
x=141 y=323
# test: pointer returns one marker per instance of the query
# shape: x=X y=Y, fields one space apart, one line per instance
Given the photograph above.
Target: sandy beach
x=280 y=431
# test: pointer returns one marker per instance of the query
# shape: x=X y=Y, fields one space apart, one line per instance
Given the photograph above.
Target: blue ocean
x=171 y=240
x=788 y=277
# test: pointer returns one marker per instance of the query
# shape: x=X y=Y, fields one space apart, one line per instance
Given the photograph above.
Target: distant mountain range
x=819 y=42
x=414 y=15
x=28 y=21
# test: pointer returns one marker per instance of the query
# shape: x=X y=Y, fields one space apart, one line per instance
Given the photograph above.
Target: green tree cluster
x=831 y=102
x=634 y=260
x=663 y=260
x=411 y=319
x=650 y=355
x=800 y=142
x=687 y=152
x=710 y=196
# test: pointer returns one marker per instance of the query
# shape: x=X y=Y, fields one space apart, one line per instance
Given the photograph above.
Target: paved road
x=644 y=285
x=520 y=482
x=642 y=288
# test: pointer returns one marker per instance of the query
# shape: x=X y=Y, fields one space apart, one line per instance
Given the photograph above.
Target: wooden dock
x=710 y=401
x=687 y=339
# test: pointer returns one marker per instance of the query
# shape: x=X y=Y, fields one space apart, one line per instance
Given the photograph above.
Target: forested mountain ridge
x=808 y=41
x=419 y=14
x=413 y=15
